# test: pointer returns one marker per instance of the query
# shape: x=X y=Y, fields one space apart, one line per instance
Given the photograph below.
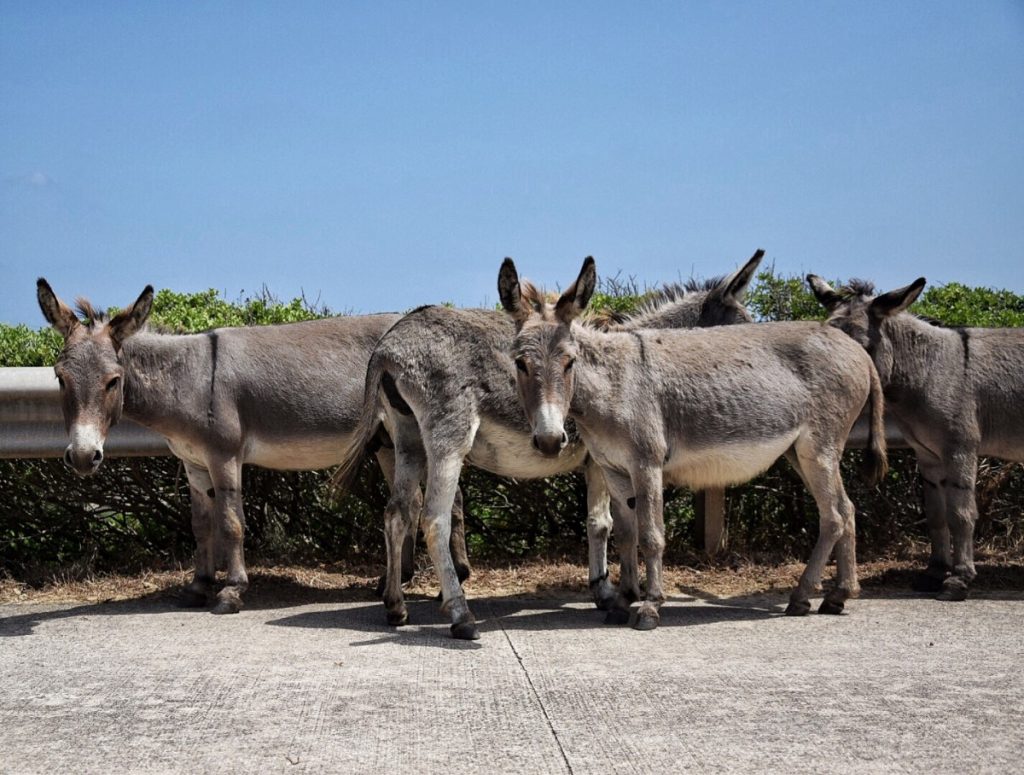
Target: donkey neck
x=160 y=370
x=601 y=367
x=918 y=352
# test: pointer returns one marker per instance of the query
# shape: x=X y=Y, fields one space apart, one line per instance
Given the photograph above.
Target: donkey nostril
x=97 y=457
x=533 y=442
x=67 y=457
x=565 y=438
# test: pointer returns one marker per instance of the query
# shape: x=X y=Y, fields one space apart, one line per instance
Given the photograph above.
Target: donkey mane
x=654 y=301
x=673 y=292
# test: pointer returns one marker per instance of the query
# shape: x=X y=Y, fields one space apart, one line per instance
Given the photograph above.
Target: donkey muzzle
x=550 y=445
x=549 y=436
x=84 y=454
x=83 y=464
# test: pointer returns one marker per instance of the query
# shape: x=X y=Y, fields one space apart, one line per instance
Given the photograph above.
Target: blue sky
x=377 y=156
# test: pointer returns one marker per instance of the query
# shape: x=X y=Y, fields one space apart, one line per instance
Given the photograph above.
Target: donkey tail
x=360 y=441
x=876 y=460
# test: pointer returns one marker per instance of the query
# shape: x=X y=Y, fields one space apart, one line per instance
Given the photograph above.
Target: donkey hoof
x=798 y=608
x=834 y=607
x=953 y=588
x=617 y=616
x=191 y=598
x=398 y=618
x=465 y=630
x=647 y=620
x=226 y=607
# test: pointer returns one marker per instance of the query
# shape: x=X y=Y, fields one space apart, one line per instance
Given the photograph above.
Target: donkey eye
x=114 y=382
x=570 y=363
x=521 y=365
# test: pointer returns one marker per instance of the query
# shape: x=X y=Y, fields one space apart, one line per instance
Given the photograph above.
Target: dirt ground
x=532 y=579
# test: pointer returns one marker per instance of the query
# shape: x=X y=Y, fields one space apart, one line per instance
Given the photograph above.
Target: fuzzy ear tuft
x=572 y=303
x=57 y=313
x=896 y=301
x=131 y=320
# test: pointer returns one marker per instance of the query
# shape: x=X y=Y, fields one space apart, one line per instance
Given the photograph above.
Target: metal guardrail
x=32 y=425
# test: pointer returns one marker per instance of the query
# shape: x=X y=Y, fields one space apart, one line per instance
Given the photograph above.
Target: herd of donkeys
x=687 y=391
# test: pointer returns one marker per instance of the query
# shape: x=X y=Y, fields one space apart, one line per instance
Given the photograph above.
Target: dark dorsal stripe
x=965 y=339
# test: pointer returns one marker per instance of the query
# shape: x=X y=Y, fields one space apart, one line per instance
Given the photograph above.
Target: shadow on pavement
x=427 y=625
x=271 y=592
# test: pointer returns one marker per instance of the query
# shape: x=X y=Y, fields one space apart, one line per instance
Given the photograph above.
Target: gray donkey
x=284 y=397
x=702 y=408
x=955 y=393
x=442 y=383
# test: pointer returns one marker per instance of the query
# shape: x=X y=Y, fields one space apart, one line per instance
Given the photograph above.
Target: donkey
x=285 y=397
x=955 y=393
x=701 y=408
x=442 y=383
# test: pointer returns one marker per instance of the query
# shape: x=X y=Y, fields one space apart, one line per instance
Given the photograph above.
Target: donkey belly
x=725 y=464
x=305 y=453
x=508 y=452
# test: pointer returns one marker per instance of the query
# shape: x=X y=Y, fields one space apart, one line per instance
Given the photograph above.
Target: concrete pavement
x=897 y=684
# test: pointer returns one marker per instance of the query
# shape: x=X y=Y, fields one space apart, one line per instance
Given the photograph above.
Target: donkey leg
x=229 y=528
x=442 y=484
x=201 y=495
x=820 y=471
x=962 y=513
x=846 y=585
x=402 y=516
x=940 y=562
x=620 y=489
x=386 y=460
x=599 y=525
x=457 y=543
x=650 y=517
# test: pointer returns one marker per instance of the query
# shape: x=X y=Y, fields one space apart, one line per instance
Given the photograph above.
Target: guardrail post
x=710 y=510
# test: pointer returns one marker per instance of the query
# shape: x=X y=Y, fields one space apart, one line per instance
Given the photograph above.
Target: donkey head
x=89 y=370
x=858 y=312
x=545 y=350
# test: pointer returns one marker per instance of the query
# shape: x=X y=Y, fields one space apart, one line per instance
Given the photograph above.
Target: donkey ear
x=57 y=313
x=735 y=286
x=823 y=292
x=571 y=303
x=510 y=293
x=896 y=301
x=127 y=322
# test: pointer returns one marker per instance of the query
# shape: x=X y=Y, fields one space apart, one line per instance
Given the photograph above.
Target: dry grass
x=535 y=579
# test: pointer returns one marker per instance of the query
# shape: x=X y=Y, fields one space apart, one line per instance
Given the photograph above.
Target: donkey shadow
x=429 y=627
x=995 y=581
x=268 y=592
x=570 y=611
